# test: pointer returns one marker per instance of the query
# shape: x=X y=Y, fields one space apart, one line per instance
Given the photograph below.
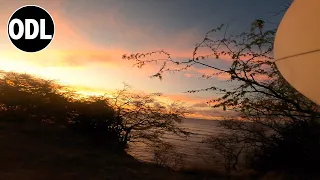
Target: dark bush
x=295 y=149
x=28 y=99
x=96 y=119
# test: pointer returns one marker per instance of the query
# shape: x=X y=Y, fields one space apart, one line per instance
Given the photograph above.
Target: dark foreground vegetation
x=30 y=152
x=47 y=131
x=110 y=120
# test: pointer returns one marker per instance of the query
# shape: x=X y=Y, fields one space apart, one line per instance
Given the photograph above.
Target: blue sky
x=166 y=18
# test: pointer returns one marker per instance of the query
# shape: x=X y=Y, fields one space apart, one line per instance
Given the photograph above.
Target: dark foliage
x=295 y=151
x=95 y=118
x=109 y=121
x=31 y=100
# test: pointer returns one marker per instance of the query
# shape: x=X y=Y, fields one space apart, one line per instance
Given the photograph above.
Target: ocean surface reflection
x=194 y=152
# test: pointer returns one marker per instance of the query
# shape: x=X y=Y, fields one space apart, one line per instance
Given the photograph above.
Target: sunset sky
x=91 y=37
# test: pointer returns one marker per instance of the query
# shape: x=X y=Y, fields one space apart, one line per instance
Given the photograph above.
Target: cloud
x=68 y=58
x=197 y=106
x=92 y=91
x=109 y=57
x=69 y=48
x=74 y=42
x=211 y=113
x=201 y=105
x=110 y=27
x=205 y=72
x=67 y=36
x=187 y=98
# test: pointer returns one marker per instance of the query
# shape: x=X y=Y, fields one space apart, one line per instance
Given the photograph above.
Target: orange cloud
x=67 y=37
x=68 y=48
x=206 y=72
x=91 y=91
x=212 y=73
x=205 y=117
x=187 y=98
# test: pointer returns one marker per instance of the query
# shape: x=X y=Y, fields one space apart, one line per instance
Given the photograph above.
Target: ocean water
x=193 y=150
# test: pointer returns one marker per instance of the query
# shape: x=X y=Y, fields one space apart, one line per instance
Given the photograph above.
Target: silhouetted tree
x=227 y=147
x=95 y=117
x=167 y=155
x=111 y=120
x=144 y=117
x=269 y=111
x=26 y=98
